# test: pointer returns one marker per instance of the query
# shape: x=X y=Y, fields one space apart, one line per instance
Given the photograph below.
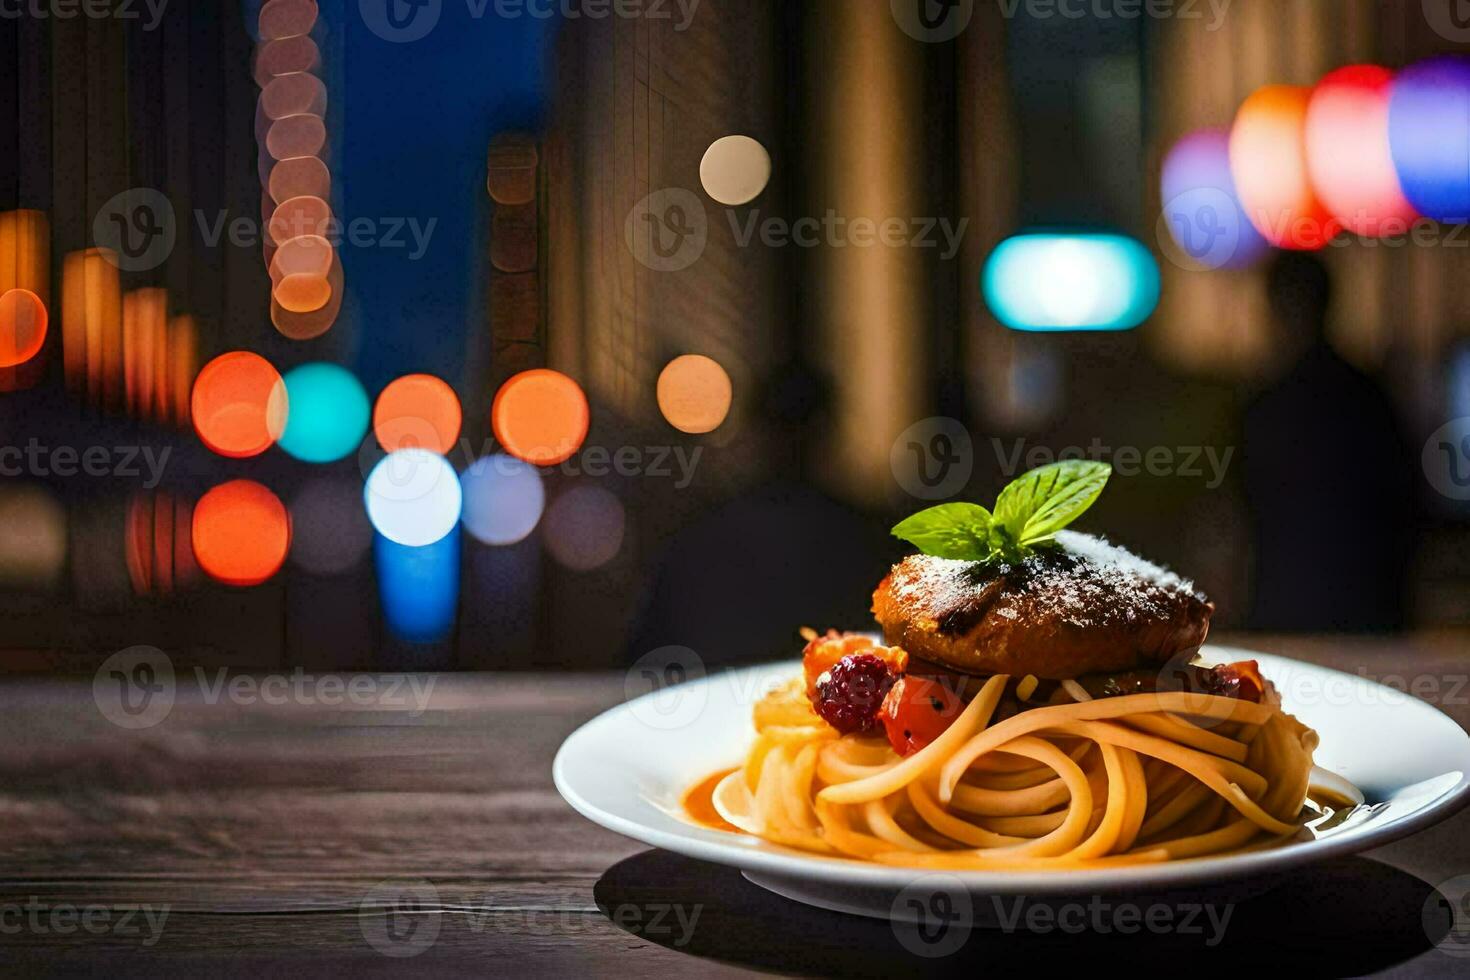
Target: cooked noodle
x=1094 y=783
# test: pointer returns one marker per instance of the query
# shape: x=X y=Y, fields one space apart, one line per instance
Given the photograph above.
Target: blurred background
x=450 y=334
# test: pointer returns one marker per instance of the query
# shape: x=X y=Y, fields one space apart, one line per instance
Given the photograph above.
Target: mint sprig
x=1028 y=514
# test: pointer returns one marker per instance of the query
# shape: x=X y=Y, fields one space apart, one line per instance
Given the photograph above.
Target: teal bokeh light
x=327 y=415
x=1082 y=281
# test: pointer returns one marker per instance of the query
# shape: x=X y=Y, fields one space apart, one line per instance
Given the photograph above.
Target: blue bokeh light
x=1429 y=135
x=1071 y=281
x=327 y=414
x=418 y=587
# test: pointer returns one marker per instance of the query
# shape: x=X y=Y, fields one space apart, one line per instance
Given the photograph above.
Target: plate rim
x=764 y=857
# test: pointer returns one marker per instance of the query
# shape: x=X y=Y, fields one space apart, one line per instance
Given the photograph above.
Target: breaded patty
x=1082 y=607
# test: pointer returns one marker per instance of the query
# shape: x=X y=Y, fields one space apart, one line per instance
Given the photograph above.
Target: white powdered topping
x=1106 y=585
x=935 y=583
x=1102 y=552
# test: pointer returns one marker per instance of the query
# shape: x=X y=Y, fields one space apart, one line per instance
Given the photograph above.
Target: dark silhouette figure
x=1327 y=477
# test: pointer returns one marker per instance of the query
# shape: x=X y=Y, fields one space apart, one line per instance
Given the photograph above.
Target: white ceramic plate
x=628 y=769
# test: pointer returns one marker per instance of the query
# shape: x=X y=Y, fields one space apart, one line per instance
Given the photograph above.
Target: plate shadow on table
x=1349 y=916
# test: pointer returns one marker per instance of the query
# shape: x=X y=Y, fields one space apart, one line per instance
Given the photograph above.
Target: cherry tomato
x=916 y=712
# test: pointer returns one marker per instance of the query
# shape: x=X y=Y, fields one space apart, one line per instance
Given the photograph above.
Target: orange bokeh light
x=241 y=533
x=540 y=416
x=417 y=411
x=694 y=393
x=23 y=322
x=239 y=404
x=302 y=292
x=1268 y=159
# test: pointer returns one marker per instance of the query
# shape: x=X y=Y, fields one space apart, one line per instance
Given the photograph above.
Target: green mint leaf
x=949 y=531
x=1040 y=503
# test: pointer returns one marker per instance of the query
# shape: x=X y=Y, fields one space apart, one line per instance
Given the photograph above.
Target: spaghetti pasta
x=1085 y=783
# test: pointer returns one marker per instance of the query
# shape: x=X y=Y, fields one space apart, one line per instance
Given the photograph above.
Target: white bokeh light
x=413 y=497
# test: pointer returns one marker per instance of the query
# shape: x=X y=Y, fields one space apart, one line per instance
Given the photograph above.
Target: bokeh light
x=417 y=411
x=330 y=530
x=1268 y=162
x=1071 y=282
x=584 y=528
x=241 y=533
x=327 y=415
x=1429 y=136
x=1202 y=211
x=540 y=416
x=694 y=393
x=1348 y=154
x=160 y=554
x=305 y=215
x=418 y=587
x=33 y=536
x=239 y=405
x=735 y=170
x=413 y=497
x=304 y=176
x=23 y=321
x=302 y=292
x=503 y=499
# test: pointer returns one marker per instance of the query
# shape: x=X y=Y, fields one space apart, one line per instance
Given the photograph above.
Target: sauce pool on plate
x=699 y=804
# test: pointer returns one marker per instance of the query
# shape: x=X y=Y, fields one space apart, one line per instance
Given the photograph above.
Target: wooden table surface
x=260 y=839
